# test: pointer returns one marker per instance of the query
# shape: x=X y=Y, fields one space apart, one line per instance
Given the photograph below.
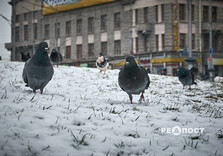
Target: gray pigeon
x=186 y=77
x=38 y=70
x=133 y=79
x=55 y=57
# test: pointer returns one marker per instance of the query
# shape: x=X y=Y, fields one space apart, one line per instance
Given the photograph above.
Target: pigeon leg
x=34 y=91
x=130 y=97
x=141 y=98
x=41 y=91
x=100 y=71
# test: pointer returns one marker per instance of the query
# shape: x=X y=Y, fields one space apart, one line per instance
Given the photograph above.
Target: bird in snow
x=133 y=79
x=102 y=63
x=186 y=77
x=25 y=57
x=55 y=57
x=38 y=70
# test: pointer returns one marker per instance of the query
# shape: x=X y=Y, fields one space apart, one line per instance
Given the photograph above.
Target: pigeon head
x=43 y=47
x=182 y=71
x=130 y=61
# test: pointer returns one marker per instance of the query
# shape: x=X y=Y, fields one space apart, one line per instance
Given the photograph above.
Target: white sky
x=5 y=31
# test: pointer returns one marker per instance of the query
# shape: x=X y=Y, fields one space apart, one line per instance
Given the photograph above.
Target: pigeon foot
x=141 y=98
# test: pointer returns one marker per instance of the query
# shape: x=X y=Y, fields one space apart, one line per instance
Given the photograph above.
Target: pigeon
x=25 y=57
x=38 y=70
x=55 y=57
x=186 y=77
x=102 y=63
x=133 y=79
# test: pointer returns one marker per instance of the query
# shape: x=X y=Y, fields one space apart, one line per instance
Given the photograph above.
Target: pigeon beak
x=127 y=63
x=46 y=49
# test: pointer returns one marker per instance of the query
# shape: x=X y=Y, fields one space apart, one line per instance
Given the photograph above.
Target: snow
x=83 y=112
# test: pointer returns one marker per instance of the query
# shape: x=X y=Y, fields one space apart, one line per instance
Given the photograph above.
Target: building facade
x=155 y=31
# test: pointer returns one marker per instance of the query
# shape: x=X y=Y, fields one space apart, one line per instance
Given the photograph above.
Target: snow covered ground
x=82 y=112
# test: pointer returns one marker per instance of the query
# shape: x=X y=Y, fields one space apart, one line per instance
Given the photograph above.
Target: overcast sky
x=5 y=29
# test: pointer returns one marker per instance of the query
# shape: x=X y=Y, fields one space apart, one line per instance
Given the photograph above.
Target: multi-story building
x=155 y=31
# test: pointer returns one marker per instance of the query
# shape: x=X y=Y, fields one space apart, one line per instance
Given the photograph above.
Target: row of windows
x=25 y=16
x=79 y=26
x=26 y=31
x=91 y=52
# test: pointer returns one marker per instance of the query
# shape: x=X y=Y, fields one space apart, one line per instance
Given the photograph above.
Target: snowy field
x=82 y=112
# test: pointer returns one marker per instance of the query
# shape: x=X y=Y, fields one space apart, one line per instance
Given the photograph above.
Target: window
x=157 y=42
x=68 y=28
x=104 y=48
x=68 y=52
x=16 y=34
x=137 y=44
x=162 y=13
x=145 y=43
x=104 y=23
x=146 y=15
x=215 y=41
x=35 y=15
x=182 y=40
x=117 y=22
x=163 y=41
x=58 y=49
x=91 y=25
x=57 y=30
x=91 y=50
x=206 y=42
x=79 y=51
x=192 y=13
x=117 y=47
x=136 y=16
x=156 y=13
x=214 y=14
x=47 y=31
x=25 y=32
x=182 y=12
x=17 y=18
x=205 y=13
x=79 y=27
x=193 y=41
x=25 y=16
x=35 y=30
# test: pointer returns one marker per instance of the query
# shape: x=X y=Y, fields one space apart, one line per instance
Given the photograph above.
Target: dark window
x=214 y=14
x=145 y=43
x=47 y=31
x=79 y=27
x=16 y=34
x=136 y=16
x=104 y=48
x=91 y=25
x=193 y=41
x=162 y=13
x=25 y=32
x=68 y=52
x=163 y=41
x=182 y=12
x=146 y=15
x=137 y=44
x=79 y=51
x=91 y=50
x=117 y=47
x=17 y=18
x=57 y=30
x=35 y=15
x=104 y=23
x=206 y=42
x=25 y=16
x=157 y=42
x=192 y=13
x=182 y=40
x=68 y=28
x=215 y=41
x=117 y=22
x=156 y=13
x=205 y=13
x=35 y=30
